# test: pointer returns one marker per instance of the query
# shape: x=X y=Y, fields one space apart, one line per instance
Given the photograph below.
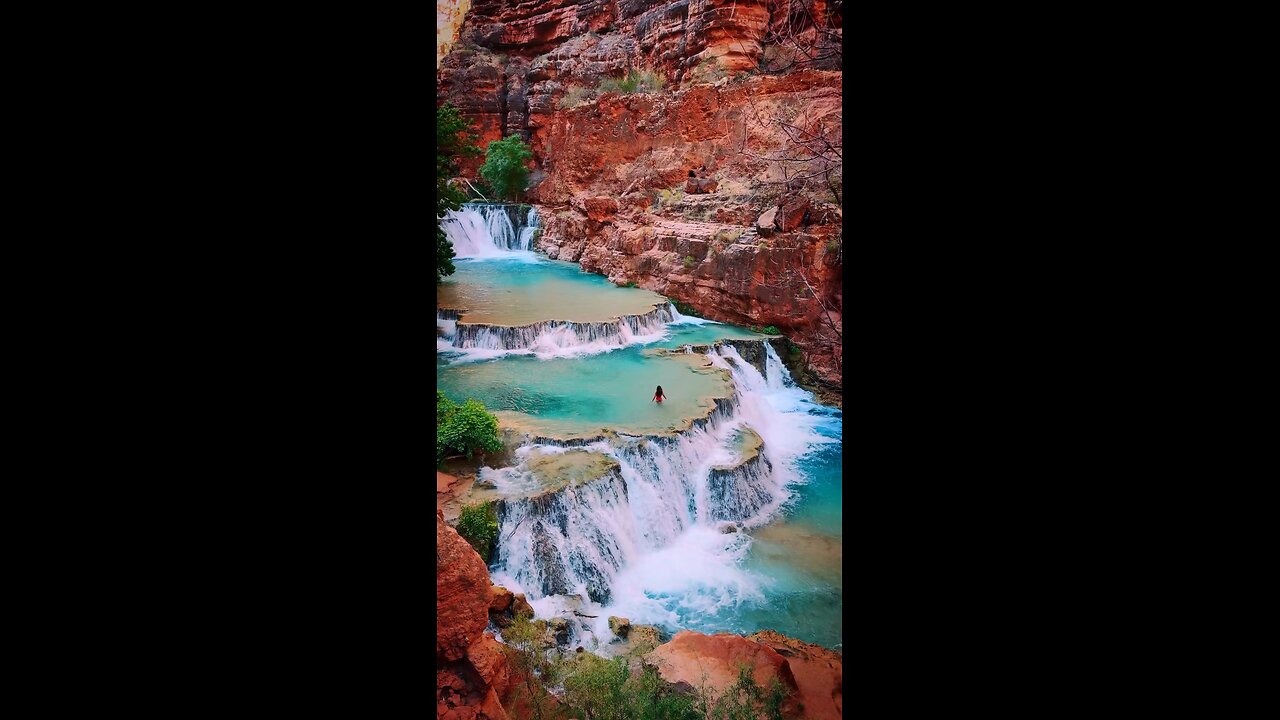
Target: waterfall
x=776 y=373
x=658 y=536
x=487 y=230
x=557 y=338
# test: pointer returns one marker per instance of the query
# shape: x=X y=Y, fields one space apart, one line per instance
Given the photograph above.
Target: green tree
x=478 y=525
x=504 y=166
x=465 y=428
x=452 y=142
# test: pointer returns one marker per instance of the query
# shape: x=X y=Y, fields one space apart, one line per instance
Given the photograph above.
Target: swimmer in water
x=658 y=397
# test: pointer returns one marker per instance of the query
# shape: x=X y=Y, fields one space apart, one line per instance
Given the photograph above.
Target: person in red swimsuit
x=658 y=397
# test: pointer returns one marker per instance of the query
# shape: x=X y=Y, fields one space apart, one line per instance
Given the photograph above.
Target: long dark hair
x=659 y=391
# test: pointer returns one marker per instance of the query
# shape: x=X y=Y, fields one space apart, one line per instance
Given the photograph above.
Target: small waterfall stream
x=487 y=230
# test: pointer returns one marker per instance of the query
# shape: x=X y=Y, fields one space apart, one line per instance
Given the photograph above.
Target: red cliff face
x=612 y=170
x=471 y=669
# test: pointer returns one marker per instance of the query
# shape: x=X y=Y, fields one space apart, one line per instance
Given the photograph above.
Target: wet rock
x=560 y=629
x=729 y=528
x=619 y=626
x=644 y=636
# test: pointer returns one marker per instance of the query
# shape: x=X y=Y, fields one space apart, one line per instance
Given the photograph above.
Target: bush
x=478 y=525
x=464 y=428
x=634 y=81
x=605 y=690
x=684 y=309
x=771 y=330
x=504 y=166
x=745 y=700
x=576 y=96
x=709 y=70
x=669 y=197
x=688 y=261
x=725 y=237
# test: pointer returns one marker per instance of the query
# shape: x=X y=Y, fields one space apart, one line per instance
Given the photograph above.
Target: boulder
x=764 y=226
x=700 y=186
x=620 y=626
x=642 y=636
x=711 y=662
x=559 y=630
x=819 y=673
x=792 y=211
x=600 y=209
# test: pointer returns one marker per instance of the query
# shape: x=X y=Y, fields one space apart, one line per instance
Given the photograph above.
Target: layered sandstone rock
x=812 y=675
x=612 y=170
x=710 y=664
x=471 y=668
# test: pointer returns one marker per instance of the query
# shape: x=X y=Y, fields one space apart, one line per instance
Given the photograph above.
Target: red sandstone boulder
x=699 y=186
x=819 y=673
x=711 y=662
x=462 y=593
x=600 y=209
x=791 y=212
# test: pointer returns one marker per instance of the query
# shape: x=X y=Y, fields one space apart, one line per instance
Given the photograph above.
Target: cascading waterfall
x=657 y=536
x=555 y=338
x=486 y=230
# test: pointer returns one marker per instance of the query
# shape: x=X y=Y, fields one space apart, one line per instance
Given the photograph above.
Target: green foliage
x=631 y=284
x=452 y=142
x=478 y=525
x=537 y=665
x=724 y=237
x=634 y=81
x=688 y=261
x=709 y=70
x=771 y=330
x=576 y=96
x=669 y=197
x=833 y=245
x=604 y=690
x=762 y=245
x=504 y=166
x=464 y=428
x=684 y=309
x=745 y=700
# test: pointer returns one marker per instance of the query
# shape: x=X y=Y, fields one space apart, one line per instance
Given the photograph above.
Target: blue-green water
x=785 y=575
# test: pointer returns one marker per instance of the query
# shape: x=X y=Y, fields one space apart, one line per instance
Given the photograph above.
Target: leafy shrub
x=631 y=284
x=453 y=140
x=576 y=96
x=604 y=690
x=669 y=197
x=688 y=261
x=478 y=525
x=771 y=330
x=834 y=245
x=634 y=81
x=745 y=700
x=684 y=309
x=536 y=665
x=464 y=428
x=725 y=237
x=504 y=166
x=709 y=70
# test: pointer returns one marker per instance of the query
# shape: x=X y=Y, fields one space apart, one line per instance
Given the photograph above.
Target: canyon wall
x=713 y=177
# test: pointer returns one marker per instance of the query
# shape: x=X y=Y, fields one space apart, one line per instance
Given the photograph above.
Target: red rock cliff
x=720 y=188
x=471 y=669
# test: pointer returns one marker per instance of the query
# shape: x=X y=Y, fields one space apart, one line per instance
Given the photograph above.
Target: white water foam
x=689 y=319
x=653 y=542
